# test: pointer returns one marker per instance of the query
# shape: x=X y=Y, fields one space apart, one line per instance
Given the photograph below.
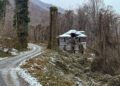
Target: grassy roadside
x=3 y=54
x=63 y=69
x=45 y=71
x=12 y=53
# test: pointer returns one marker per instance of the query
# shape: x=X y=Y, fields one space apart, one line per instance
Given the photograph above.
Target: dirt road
x=8 y=75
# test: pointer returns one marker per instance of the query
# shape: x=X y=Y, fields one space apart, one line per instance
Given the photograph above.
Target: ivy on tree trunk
x=21 y=21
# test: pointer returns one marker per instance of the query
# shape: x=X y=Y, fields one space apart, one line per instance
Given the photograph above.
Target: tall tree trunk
x=53 y=42
x=21 y=21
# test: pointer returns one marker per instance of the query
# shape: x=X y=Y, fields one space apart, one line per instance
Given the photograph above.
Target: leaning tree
x=21 y=21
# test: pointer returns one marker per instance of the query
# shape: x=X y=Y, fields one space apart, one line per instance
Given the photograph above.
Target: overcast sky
x=72 y=4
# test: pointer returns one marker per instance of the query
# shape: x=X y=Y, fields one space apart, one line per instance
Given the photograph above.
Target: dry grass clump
x=109 y=63
x=115 y=81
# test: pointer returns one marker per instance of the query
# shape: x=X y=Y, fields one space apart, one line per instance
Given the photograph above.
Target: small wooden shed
x=72 y=39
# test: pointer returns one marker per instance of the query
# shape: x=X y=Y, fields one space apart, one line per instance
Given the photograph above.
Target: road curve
x=8 y=75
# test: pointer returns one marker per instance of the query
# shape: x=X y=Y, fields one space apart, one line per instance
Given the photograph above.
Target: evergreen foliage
x=3 y=4
x=21 y=21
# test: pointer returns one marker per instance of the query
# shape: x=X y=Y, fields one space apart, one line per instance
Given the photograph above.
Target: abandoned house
x=73 y=40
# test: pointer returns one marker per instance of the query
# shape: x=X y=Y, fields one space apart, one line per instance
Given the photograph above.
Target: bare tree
x=82 y=18
x=107 y=60
x=69 y=15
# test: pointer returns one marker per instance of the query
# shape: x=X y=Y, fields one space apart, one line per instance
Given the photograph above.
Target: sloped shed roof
x=78 y=33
